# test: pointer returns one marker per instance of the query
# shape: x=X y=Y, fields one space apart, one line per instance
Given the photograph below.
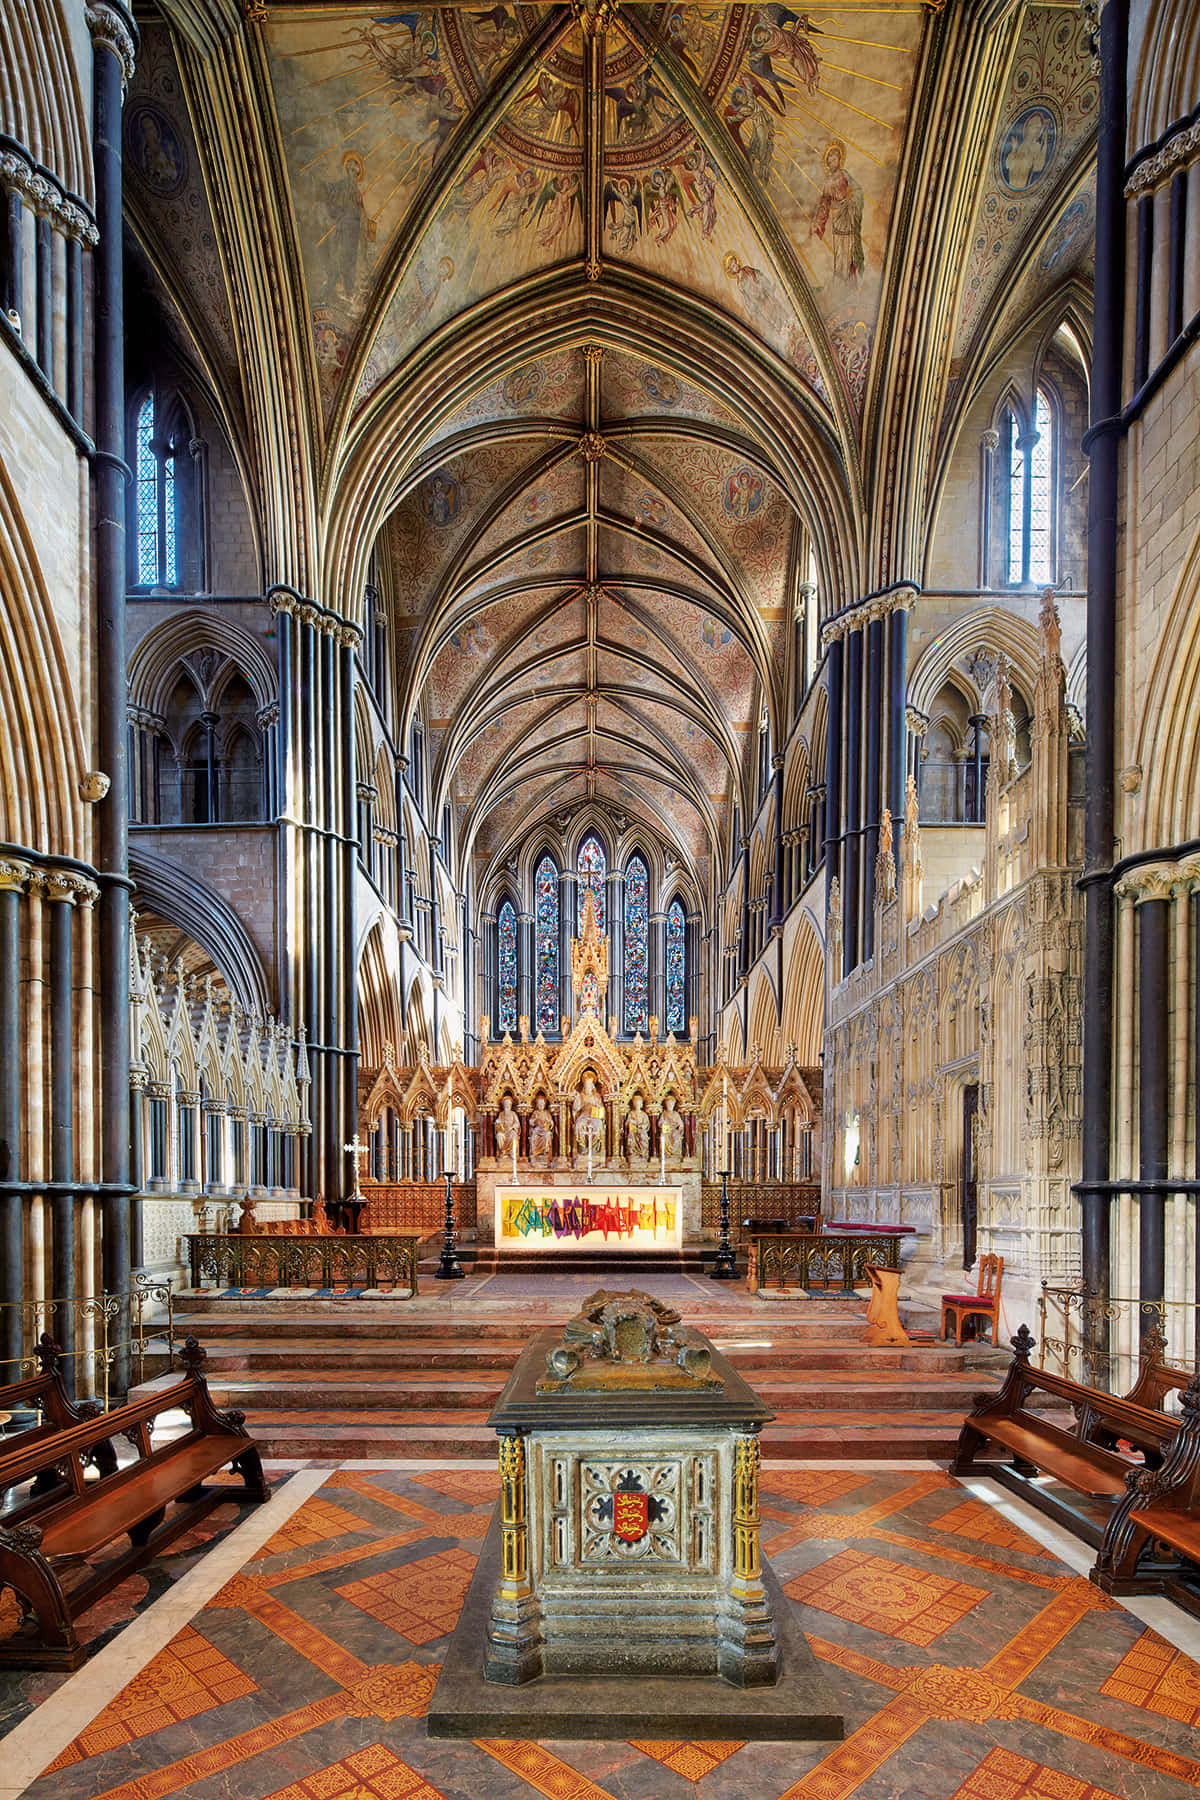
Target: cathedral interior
x=599 y=633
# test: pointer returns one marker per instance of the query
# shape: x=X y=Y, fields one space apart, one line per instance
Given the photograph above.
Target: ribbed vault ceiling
x=607 y=314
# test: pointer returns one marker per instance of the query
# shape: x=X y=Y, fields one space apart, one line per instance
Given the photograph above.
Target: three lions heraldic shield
x=631 y=1516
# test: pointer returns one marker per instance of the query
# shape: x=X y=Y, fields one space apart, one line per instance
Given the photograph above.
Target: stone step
x=283 y=1356
x=287 y=1356
x=886 y=1435
x=419 y=1390
x=382 y=1323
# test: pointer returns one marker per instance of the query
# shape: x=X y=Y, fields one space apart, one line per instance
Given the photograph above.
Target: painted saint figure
x=637 y=1132
x=588 y=1110
x=840 y=211
x=541 y=1133
x=508 y=1129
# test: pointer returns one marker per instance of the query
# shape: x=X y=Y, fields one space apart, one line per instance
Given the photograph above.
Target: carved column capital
x=111 y=27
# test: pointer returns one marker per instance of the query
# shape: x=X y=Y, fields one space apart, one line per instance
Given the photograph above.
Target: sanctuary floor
x=294 y=1656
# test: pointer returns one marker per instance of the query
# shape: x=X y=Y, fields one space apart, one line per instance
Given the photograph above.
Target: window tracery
x=591 y=868
x=546 y=946
x=637 y=946
x=676 y=983
x=506 y=968
x=1028 y=464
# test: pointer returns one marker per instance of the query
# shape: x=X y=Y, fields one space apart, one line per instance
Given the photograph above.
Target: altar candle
x=662 y=1152
x=589 y=1159
x=514 y=1159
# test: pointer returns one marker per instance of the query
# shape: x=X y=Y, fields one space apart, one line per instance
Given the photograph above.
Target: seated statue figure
x=541 y=1133
x=588 y=1110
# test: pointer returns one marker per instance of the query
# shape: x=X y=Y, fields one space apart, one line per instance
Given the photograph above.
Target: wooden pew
x=45 y=1394
x=1072 y=1454
x=1152 y=1542
x=152 y=1500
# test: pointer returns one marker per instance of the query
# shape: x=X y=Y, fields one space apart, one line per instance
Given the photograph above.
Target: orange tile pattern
x=479 y=1487
x=692 y=1761
x=187 y=1678
x=914 y=1605
x=984 y=1525
x=372 y=1774
x=1039 y=1623
x=316 y=1521
x=1003 y=1775
x=1158 y=1677
x=420 y=1600
x=542 y=1771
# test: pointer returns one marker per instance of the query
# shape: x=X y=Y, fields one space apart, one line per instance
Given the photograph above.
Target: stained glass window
x=1040 y=491
x=157 y=560
x=637 y=955
x=506 y=964
x=1016 y=499
x=147 y=495
x=676 y=967
x=591 y=867
x=545 y=915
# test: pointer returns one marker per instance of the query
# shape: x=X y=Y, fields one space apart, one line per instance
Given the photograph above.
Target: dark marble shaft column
x=897 y=698
x=874 y=751
x=833 y=766
x=12 y=1246
x=852 y=847
x=1104 y=446
x=114 y=39
x=62 y=1114
x=1154 y=1032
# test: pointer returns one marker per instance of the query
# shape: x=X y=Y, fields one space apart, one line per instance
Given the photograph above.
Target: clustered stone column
x=319 y=835
x=867 y=748
x=49 y=321
x=42 y=957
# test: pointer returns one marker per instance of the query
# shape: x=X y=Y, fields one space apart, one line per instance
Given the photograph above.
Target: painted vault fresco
x=1048 y=117
x=811 y=109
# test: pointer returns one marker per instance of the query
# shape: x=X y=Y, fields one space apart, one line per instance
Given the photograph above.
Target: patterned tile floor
x=970 y=1663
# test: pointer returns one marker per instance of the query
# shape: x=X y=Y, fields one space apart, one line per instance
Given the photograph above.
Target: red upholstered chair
x=985 y=1302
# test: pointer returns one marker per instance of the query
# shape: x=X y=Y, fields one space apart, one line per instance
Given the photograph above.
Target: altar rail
x=370 y=1261
x=819 y=1259
x=790 y=1201
x=415 y=1206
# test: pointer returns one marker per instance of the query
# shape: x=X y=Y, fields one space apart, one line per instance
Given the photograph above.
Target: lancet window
x=591 y=868
x=154 y=479
x=506 y=968
x=545 y=926
x=1028 y=476
x=637 y=946
x=676 y=967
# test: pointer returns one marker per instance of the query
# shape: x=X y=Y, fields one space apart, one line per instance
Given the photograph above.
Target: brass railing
x=1095 y=1342
x=415 y=1205
x=97 y=1317
x=228 y=1260
x=811 y=1259
x=791 y=1201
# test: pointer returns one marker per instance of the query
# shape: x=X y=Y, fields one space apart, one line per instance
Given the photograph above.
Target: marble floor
x=293 y=1656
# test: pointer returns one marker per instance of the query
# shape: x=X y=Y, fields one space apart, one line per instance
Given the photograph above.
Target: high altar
x=594 y=1141
x=590 y=1141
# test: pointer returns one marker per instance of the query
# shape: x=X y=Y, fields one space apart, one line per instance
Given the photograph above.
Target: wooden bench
x=45 y=1394
x=131 y=1501
x=1159 y=1515
x=1082 y=1455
